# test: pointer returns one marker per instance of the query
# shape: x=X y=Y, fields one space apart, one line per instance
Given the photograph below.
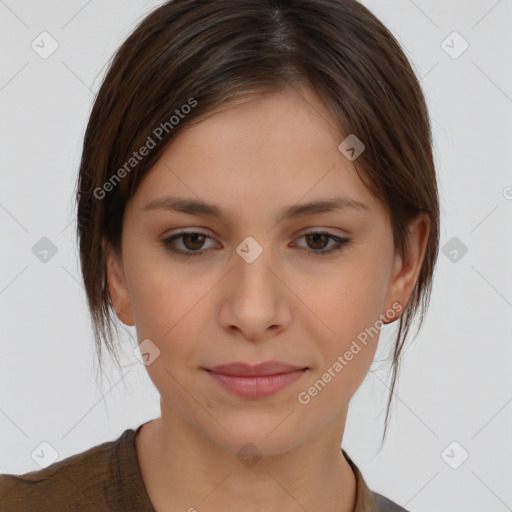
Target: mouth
x=264 y=369
x=256 y=381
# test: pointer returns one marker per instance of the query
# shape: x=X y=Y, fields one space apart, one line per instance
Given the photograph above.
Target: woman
x=257 y=197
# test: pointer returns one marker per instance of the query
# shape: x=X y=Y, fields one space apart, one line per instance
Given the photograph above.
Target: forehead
x=275 y=149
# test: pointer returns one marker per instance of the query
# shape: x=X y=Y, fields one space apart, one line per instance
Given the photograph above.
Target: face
x=262 y=279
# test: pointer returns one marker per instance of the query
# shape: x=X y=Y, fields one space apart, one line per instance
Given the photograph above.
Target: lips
x=256 y=381
x=257 y=370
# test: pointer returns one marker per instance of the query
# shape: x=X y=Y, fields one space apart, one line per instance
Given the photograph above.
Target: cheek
x=349 y=303
x=345 y=343
x=163 y=296
x=351 y=298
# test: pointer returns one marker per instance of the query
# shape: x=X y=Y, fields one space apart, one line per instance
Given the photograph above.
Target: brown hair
x=209 y=54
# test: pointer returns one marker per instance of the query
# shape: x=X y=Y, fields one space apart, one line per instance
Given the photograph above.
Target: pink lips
x=256 y=381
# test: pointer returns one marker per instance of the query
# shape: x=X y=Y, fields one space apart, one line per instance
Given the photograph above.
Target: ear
x=117 y=286
x=406 y=271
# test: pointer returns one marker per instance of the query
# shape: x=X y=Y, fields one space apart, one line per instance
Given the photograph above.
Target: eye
x=193 y=242
x=318 y=240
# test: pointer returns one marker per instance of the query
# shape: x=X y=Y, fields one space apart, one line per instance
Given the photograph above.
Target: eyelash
x=341 y=243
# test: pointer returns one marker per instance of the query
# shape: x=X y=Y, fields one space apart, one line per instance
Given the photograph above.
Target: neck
x=184 y=470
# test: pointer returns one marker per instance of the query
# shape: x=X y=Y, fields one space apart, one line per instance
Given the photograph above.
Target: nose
x=255 y=301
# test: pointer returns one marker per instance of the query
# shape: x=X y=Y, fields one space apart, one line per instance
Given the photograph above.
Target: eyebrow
x=196 y=207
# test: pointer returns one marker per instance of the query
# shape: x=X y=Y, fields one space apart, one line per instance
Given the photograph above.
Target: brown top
x=107 y=477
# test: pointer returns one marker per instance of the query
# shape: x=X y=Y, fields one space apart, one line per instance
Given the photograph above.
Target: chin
x=266 y=436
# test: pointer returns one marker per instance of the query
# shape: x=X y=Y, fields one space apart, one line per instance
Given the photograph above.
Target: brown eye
x=191 y=242
x=317 y=240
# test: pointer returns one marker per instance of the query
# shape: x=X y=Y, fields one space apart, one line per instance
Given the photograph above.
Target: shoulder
x=89 y=480
x=384 y=504
x=368 y=500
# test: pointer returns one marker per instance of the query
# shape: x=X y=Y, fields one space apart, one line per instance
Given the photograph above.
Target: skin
x=291 y=305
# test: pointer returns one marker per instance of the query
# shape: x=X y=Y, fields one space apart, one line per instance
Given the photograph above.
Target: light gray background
x=455 y=383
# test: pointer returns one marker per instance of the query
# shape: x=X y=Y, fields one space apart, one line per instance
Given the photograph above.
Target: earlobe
x=117 y=287
x=406 y=271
